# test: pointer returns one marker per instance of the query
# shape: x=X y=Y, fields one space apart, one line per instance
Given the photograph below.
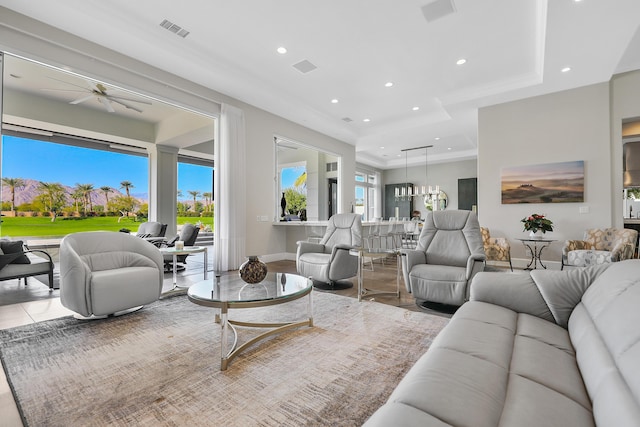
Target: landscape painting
x=544 y=183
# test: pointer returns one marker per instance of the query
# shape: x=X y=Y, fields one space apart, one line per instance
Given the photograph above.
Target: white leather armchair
x=328 y=263
x=449 y=253
x=104 y=273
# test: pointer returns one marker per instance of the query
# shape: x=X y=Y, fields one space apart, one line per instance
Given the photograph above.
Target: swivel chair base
x=332 y=286
x=431 y=306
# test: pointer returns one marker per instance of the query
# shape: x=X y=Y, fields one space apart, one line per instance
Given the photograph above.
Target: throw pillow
x=14 y=247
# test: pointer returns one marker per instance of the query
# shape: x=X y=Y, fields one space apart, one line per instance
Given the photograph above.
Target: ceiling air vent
x=175 y=29
x=438 y=9
x=304 y=66
x=347 y=119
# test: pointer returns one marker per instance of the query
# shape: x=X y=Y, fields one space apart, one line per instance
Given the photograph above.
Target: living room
x=579 y=121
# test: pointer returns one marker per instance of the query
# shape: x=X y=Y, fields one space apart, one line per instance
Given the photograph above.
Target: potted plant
x=535 y=223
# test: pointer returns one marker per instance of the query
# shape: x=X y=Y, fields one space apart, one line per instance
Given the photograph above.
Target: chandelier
x=407 y=191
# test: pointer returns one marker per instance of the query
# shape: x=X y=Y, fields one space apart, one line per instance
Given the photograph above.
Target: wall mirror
x=307 y=179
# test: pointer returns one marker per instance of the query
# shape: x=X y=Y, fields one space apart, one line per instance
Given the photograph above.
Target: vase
x=283 y=205
x=535 y=234
x=253 y=270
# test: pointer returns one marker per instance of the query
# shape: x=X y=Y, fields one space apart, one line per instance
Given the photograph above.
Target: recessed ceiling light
x=399 y=155
x=282 y=50
x=449 y=148
x=461 y=61
x=388 y=84
x=366 y=120
x=382 y=148
x=437 y=138
x=415 y=108
x=566 y=69
x=334 y=101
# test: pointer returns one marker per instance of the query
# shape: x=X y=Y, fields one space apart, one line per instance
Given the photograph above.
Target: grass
x=22 y=227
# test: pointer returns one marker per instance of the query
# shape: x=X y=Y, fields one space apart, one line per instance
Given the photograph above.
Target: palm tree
x=194 y=194
x=53 y=194
x=13 y=183
x=301 y=180
x=76 y=196
x=207 y=199
x=86 y=190
x=127 y=185
x=106 y=190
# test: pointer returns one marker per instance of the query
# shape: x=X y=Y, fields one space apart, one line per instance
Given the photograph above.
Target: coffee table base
x=277 y=328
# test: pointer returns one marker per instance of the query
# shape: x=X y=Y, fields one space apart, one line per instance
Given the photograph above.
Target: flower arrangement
x=537 y=222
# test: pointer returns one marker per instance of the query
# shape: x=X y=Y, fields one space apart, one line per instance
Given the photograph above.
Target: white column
x=163 y=186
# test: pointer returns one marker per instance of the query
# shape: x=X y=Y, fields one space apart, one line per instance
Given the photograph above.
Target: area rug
x=161 y=366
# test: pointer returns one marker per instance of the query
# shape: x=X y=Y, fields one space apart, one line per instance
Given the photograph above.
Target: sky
x=289 y=175
x=68 y=165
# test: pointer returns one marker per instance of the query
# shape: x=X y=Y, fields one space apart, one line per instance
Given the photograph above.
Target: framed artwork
x=544 y=183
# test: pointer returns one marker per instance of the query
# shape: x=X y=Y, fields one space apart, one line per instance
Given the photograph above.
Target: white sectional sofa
x=553 y=348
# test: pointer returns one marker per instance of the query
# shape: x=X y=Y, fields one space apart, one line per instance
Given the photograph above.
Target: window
x=293 y=185
x=367 y=195
x=70 y=185
x=195 y=193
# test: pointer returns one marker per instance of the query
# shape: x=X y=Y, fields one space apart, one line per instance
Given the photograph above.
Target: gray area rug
x=160 y=366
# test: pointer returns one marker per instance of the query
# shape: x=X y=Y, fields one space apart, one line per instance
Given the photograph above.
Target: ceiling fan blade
x=81 y=100
x=122 y=98
x=131 y=107
x=106 y=104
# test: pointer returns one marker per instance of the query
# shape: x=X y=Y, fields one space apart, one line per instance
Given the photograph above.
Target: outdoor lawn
x=42 y=227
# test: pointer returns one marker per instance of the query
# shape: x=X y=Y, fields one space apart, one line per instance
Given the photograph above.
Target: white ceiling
x=514 y=49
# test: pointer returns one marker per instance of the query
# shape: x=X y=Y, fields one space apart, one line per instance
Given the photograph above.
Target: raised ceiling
x=513 y=50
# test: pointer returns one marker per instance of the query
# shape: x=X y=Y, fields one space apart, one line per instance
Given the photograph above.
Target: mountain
x=30 y=191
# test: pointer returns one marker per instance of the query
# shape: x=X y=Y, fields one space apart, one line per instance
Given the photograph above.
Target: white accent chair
x=449 y=253
x=328 y=263
x=105 y=273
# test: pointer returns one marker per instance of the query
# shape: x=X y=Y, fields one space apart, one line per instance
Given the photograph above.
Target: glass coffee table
x=230 y=292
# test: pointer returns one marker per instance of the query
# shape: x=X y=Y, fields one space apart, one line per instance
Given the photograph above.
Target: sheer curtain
x=230 y=191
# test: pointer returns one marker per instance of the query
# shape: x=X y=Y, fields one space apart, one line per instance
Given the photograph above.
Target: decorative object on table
x=546 y=183
x=283 y=205
x=303 y=214
x=535 y=223
x=253 y=270
x=179 y=245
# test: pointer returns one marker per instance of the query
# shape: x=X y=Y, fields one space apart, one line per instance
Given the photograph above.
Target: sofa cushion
x=604 y=330
x=14 y=247
x=492 y=366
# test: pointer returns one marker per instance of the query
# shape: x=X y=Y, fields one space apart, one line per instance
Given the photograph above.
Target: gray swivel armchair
x=104 y=273
x=328 y=262
x=153 y=232
x=189 y=235
x=449 y=253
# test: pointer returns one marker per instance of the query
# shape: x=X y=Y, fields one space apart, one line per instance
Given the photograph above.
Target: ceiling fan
x=98 y=91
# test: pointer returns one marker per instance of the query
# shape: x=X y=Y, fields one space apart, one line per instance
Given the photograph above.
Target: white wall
x=445 y=175
x=559 y=127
